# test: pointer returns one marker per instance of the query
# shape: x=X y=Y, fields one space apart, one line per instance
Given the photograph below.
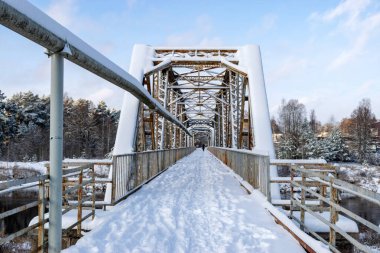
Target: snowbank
x=366 y=176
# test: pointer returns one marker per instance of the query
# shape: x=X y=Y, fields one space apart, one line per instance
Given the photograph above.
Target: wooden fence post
x=79 y=215
x=333 y=212
x=93 y=190
x=41 y=217
x=303 y=196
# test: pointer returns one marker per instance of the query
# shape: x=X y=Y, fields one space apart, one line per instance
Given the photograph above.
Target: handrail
x=42 y=181
x=150 y=151
x=30 y=22
x=335 y=185
x=252 y=167
x=131 y=171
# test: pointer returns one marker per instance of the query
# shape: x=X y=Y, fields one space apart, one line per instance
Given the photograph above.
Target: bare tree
x=314 y=123
x=363 y=118
x=274 y=125
x=291 y=117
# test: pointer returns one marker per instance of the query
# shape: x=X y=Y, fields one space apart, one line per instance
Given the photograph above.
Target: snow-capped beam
x=234 y=67
x=161 y=66
x=30 y=22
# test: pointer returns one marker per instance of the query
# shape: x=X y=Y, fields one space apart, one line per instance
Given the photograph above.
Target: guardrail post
x=56 y=146
x=41 y=217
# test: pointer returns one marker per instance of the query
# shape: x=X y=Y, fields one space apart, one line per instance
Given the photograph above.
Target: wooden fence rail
x=75 y=180
x=327 y=194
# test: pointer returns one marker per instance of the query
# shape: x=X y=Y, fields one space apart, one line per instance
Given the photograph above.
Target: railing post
x=333 y=212
x=79 y=215
x=267 y=174
x=291 y=189
x=41 y=217
x=113 y=183
x=56 y=146
x=303 y=196
x=93 y=190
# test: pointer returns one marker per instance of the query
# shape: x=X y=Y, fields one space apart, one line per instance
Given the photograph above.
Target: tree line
x=304 y=137
x=89 y=130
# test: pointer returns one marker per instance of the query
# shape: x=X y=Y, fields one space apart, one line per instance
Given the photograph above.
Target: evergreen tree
x=309 y=143
x=89 y=131
x=287 y=148
x=334 y=147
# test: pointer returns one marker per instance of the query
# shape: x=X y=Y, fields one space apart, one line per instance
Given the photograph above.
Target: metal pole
x=56 y=154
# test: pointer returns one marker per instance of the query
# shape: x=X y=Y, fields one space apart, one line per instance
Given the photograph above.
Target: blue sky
x=324 y=53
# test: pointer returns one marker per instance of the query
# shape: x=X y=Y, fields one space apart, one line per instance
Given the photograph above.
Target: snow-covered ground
x=366 y=176
x=198 y=205
x=7 y=169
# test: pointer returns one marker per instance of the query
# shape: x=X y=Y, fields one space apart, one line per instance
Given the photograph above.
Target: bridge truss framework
x=206 y=89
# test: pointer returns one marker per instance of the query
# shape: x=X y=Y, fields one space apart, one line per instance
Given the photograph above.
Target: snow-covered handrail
x=30 y=22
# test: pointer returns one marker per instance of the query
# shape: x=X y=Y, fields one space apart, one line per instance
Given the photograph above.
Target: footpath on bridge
x=197 y=205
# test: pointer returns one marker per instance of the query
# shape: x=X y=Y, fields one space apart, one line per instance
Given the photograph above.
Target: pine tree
x=287 y=148
x=309 y=143
x=334 y=147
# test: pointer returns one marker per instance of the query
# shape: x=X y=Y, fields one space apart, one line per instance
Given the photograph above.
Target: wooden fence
x=75 y=180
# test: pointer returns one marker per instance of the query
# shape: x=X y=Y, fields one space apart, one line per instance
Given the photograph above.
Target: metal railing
x=252 y=167
x=75 y=180
x=130 y=171
x=318 y=184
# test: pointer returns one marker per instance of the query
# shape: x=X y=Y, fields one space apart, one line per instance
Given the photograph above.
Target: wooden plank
x=17 y=182
x=77 y=186
x=316 y=235
x=335 y=227
x=19 y=233
x=19 y=209
x=66 y=230
x=342 y=209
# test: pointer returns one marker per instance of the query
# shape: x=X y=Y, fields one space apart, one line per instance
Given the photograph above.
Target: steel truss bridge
x=175 y=98
x=206 y=90
x=211 y=91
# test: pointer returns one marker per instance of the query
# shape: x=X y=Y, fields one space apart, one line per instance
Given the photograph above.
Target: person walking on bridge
x=203 y=147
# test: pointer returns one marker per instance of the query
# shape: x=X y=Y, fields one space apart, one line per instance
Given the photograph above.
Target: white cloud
x=196 y=36
x=63 y=11
x=102 y=94
x=289 y=67
x=131 y=3
x=357 y=22
x=268 y=21
x=351 y=8
x=67 y=13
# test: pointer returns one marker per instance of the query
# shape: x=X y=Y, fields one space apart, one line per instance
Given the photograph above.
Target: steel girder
x=201 y=95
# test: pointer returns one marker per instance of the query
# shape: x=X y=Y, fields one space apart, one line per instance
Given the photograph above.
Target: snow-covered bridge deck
x=197 y=205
